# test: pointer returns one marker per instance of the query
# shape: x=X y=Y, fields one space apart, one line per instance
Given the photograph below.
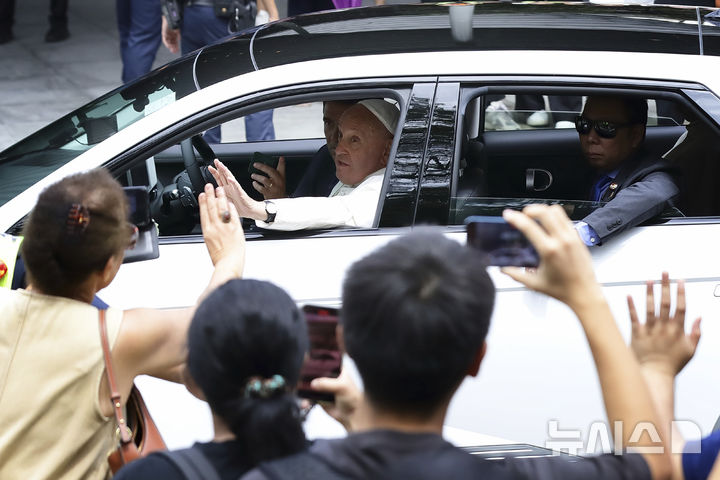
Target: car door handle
x=717 y=291
x=530 y=179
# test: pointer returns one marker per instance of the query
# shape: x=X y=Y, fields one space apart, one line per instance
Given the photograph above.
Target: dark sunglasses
x=603 y=128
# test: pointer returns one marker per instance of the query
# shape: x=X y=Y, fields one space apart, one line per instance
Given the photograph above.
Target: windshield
x=38 y=155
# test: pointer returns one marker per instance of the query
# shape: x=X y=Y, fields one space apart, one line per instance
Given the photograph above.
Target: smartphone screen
x=262 y=158
x=500 y=243
x=324 y=358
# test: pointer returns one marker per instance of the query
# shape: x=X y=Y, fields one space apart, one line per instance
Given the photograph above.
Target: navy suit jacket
x=646 y=186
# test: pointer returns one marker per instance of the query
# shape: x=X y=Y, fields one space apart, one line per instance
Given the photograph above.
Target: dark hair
x=246 y=329
x=60 y=254
x=415 y=312
x=636 y=108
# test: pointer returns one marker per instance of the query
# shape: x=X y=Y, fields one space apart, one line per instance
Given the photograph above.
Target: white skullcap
x=386 y=112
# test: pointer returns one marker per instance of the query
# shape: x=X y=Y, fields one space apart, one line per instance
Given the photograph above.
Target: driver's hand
x=272 y=186
x=245 y=205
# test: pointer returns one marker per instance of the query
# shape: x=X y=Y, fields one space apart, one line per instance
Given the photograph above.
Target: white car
x=464 y=146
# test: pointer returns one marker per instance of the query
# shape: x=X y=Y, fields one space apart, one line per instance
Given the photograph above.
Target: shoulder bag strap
x=193 y=464
x=115 y=398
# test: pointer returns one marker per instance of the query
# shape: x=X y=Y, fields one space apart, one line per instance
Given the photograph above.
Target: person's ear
x=477 y=359
x=638 y=135
x=190 y=384
x=111 y=268
x=340 y=337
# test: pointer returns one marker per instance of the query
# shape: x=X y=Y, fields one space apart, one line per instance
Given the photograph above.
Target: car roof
x=495 y=26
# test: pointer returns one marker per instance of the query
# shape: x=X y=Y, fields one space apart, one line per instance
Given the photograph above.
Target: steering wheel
x=198 y=177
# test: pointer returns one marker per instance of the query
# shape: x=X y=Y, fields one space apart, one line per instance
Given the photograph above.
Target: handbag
x=138 y=436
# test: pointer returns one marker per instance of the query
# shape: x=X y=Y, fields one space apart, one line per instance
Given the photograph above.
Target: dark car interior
x=524 y=164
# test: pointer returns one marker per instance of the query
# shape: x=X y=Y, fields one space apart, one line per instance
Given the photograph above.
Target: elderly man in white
x=366 y=133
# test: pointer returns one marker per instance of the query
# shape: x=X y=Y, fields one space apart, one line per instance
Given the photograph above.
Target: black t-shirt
x=384 y=454
x=227 y=458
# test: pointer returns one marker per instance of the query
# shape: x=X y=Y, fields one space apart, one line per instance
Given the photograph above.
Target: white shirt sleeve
x=356 y=209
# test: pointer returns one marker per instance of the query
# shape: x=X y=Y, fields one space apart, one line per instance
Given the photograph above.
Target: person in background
x=246 y=344
x=139 y=26
x=55 y=407
x=200 y=27
x=57 y=18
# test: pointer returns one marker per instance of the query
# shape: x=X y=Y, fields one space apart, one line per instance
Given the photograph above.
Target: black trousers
x=58 y=12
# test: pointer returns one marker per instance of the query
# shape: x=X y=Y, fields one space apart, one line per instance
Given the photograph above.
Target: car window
x=510 y=157
x=289 y=137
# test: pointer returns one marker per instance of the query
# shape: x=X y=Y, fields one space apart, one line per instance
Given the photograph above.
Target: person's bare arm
x=154 y=341
x=663 y=349
x=565 y=273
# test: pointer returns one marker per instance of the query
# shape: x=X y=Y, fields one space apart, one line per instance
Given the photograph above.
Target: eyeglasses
x=603 y=128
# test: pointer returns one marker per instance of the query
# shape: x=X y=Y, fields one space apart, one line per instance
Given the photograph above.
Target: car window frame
x=398 y=88
x=693 y=95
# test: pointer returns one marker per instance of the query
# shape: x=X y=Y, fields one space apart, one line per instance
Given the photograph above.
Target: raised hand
x=245 y=205
x=661 y=342
x=565 y=271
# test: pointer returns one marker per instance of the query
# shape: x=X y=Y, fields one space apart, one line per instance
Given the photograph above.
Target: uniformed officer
x=201 y=26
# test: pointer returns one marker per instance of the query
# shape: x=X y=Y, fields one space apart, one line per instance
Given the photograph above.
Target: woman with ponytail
x=246 y=345
x=56 y=416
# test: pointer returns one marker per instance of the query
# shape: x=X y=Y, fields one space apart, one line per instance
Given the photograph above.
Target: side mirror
x=145 y=245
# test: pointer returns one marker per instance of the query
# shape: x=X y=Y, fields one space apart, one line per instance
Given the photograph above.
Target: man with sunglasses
x=635 y=185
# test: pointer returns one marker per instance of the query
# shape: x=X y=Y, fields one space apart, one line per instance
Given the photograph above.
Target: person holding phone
x=635 y=185
x=414 y=318
x=366 y=132
x=246 y=344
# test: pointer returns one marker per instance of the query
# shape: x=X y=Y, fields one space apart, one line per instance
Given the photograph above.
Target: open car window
x=291 y=135
x=511 y=157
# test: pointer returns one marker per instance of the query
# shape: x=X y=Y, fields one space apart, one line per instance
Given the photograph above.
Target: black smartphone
x=264 y=159
x=500 y=243
x=324 y=358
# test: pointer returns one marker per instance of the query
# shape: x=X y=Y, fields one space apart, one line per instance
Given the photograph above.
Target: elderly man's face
x=607 y=154
x=363 y=145
x=331 y=115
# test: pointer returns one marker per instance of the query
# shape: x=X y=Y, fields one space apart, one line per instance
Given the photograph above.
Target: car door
x=537 y=384
x=308 y=264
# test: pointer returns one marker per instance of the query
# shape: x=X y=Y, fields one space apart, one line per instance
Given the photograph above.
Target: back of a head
x=244 y=332
x=77 y=224
x=415 y=313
